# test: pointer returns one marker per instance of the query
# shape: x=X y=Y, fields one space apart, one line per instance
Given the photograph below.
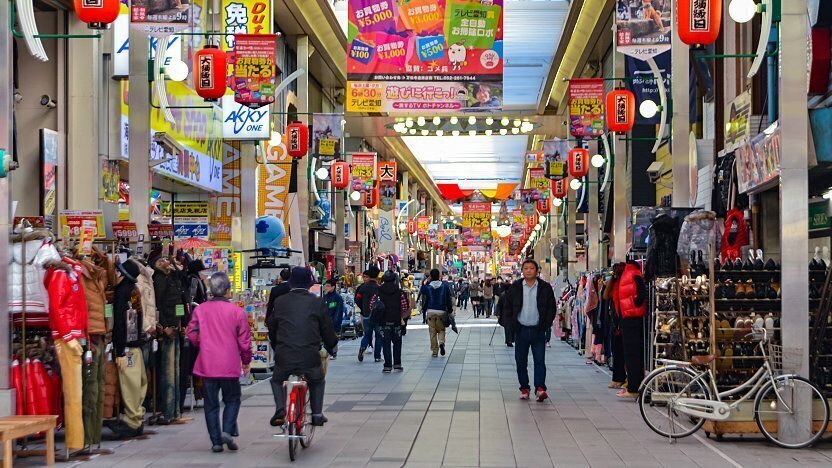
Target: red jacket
x=67 y=304
x=631 y=292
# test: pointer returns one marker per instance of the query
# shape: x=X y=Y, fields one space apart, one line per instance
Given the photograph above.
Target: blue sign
x=181 y=231
x=431 y=47
x=362 y=52
x=643 y=84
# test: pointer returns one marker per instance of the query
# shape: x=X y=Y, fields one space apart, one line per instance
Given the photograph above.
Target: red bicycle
x=298 y=428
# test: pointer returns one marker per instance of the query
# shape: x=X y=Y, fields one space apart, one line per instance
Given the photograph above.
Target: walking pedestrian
x=334 y=303
x=391 y=306
x=363 y=295
x=221 y=331
x=438 y=307
x=530 y=309
x=488 y=298
x=476 y=295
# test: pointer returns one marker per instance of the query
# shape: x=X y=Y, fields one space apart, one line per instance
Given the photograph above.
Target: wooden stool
x=15 y=427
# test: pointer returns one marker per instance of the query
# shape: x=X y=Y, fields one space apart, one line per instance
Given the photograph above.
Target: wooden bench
x=15 y=427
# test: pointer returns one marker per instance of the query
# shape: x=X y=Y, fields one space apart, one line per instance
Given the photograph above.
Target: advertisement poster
x=539 y=183
x=109 y=181
x=738 y=119
x=71 y=222
x=125 y=230
x=555 y=156
x=422 y=223
x=226 y=204
x=326 y=136
x=190 y=219
x=160 y=18
x=642 y=27
x=88 y=230
x=254 y=69
x=476 y=223
x=273 y=180
x=586 y=107
x=643 y=84
x=386 y=174
x=49 y=176
x=433 y=233
x=431 y=55
x=363 y=171
x=450 y=237
x=160 y=230
x=758 y=160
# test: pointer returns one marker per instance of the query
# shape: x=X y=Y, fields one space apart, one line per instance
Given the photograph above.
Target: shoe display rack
x=667 y=328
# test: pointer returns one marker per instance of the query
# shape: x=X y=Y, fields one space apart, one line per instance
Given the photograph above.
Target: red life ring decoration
x=698 y=21
x=560 y=187
x=210 y=65
x=298 y=137
x=98 y=14
x=543 y=205
x=578 y=162
x=621 y=110
x=339 y=172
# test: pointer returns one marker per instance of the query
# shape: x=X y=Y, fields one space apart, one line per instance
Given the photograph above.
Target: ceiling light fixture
x=575 y=184
x=598 y=160
x=355 y=196
x=412 y=131
x=503 y=131
x=515 y=131
x=437 y=120
x=420 y=121
x=489 y=121
x=455 y=133
x=472 y=120
x=504 y=122
x=472 y=133
x=440 y=133
x=408 y=123
x=489 y=132
x=425 y=132
x=517 y=122
x=454 y=120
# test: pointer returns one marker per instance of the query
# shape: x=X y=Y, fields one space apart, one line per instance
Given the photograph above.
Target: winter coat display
x=632 y=292
x=33 y=293
x=94 y=280
x=661 y=247
x=545 y=304
x=297 y=327
x=168 y=289
x=111 y=390
x=67 y=302
x=128 y=330
x=144 y=284
x=698 y=232
x=735 y=236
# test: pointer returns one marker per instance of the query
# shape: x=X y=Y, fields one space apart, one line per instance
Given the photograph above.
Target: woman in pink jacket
x=221 y=331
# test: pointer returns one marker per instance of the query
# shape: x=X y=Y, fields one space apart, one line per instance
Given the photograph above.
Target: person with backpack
x=389 y=308
x=438 y=307
x=363 y=295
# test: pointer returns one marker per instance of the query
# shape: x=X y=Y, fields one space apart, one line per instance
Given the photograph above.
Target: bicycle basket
x=779 y=359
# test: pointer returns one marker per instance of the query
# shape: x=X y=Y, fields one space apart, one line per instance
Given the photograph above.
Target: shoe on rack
x=361 y=353
x=524 y=394
x=541 y=394
x=442 y=348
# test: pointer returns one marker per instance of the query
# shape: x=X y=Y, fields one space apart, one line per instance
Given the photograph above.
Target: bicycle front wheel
x=782 y=400
x=656 y=402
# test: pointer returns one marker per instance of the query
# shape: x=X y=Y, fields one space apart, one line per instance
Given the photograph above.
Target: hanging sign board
x=758 y=160
x=539 y=182
x=422 y=224
x=190 y=219
x=643 y=83
x=386 y=175
x=555 y=155
x=429 y=55
x=326 y=136
x=254 y=69
x=363 y=171
x=160 y=230
x=476 y=223
x=586 y=107
x=643 y=28
x=738 y=119
x=160 y=18
x=72 y=221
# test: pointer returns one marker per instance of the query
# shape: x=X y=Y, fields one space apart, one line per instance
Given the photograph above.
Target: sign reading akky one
x=240 y=122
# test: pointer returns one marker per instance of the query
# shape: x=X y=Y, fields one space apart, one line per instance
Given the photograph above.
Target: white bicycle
x=676 y=400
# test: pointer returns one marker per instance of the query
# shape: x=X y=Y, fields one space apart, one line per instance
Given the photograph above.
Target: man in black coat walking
x=529 y=310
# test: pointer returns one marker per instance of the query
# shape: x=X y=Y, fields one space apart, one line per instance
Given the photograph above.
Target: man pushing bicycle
x=298 y=325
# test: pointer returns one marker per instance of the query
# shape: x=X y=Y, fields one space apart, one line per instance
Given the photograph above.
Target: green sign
x=818 y=216
x=180 y=310
x=108 y=311
x=471 y=25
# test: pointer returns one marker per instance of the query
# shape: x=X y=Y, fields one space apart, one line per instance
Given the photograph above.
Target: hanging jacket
x=632 y=293
x=144 y=284
x=67 y=302
x=168 y=290
x=128 y=330
x=661 y=248
x=735 y=236
x=33 y=293
x=94 y=280
x=698 y=231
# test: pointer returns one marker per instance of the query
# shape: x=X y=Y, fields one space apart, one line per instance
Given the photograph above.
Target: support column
x=593 y=233
x=794 y=204
x=680 y=121
x=554 y=222
x=340 y=238
x=303 y=52
x=571 y=237
x=83 y=74
x=7 y=396
x=139 y=132
x=405 y=240
x=248 y=199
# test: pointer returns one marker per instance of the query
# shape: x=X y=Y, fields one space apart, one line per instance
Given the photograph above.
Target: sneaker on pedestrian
x=524 y=394
x=217 y=448
x=229 y=442
x=624 y=393
x=442 y=348
x=387 y=370
x=541 y=394
x=319 y=420
x=378 y=359
x=398 y=367
x=277 y=420
x=434 y=355
x=509 y=345
x=361 y=353
x=548 y=345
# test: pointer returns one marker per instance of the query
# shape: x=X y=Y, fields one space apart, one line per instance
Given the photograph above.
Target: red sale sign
x=125 y=230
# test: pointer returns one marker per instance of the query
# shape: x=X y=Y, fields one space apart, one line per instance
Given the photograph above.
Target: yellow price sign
x=327 y=147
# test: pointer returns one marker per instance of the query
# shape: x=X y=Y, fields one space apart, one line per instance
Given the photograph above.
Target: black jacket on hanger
x=661 y=248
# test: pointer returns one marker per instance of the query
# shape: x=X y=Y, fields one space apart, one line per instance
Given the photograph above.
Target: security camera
x=654 y=172
x=48 y=102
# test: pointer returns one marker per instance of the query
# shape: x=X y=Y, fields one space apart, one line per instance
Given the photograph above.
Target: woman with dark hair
x=488 y=298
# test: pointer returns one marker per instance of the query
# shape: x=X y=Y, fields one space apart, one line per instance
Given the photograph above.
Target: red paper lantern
x=578 y=162
x=698 y=21
x=98 y=14
x=298 y=136
x=543 y=205
x=370 y=198
x=621 y=110
x=560 y=187
x=340 y=174
x=210 y=65
x=411 y=226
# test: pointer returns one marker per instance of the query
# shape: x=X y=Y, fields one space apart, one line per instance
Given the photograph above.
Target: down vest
x=144 y=283
x=67 y=303
x=32 y=294
x=698 y=231
x=94 y=280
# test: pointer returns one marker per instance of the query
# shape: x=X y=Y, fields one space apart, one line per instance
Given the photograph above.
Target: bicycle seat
x=702 y=360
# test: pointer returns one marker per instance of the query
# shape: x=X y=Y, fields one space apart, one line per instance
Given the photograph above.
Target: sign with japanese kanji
x=71 y=222
x=586 y=107
x=160 y=18
x=125 y=230
x=160 y=230
x=386 y=171
x=539 y=182
x=430 y=55
x=254 y=69
x=476 y=223
x=422 y=223
x=363 y=171
x=386 y=174
x=643 y=28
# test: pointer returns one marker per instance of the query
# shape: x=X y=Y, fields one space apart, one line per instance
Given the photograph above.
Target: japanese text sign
x=586 y=107
x=363 y=171
x=254 y=69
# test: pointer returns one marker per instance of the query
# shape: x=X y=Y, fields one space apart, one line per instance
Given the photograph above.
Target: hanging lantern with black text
x=370 y=198
x=339 y=172
x=543 y=205
x=621 y=110
x=411 y=226
x=578 y=162
x=297 y=135
x=98 y=14
x=560 y=187
x=210 y=65
x=698 y=21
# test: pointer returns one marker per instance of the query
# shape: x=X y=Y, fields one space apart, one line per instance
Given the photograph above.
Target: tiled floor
x=460 y=410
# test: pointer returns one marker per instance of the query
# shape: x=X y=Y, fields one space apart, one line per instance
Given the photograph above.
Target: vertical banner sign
x=539 y=183
x=643 y=28
x=422 y=224
x=226 y=204
x=363 y=171
x=71 y=222
x=243 y=17
x=254 y=69
x=758 y=160
x=109 y=181
x=273 y=179
x=429 y=55
x=386 y=174
x=476 y=223
x=160 y=18
x=643 y=84
x=738 y=118
x=555 y=156
x=433 y=233
x=326 y=136
x=586 y=107
x=190 y=219
x=49 y=176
